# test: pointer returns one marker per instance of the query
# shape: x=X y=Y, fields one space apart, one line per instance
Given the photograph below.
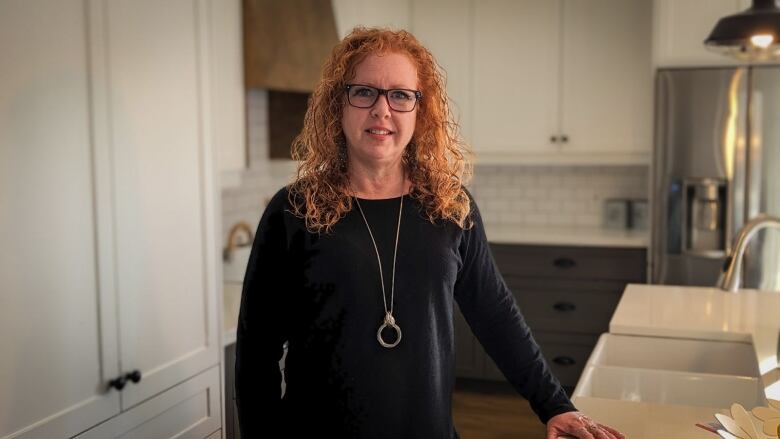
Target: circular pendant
x=389 y=322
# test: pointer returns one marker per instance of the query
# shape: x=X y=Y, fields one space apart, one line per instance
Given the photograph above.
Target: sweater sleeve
x=495 y=319
x=262 y=325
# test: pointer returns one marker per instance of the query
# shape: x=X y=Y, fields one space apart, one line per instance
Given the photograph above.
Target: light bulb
x=762 y=40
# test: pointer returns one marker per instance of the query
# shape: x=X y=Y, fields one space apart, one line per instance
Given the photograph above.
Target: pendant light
x=751 y=35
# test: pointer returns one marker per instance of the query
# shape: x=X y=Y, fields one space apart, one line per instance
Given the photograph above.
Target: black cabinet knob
x=134 y=376
x=564 y=138
x=121 y=382
x=564 y=262
x=564 y=306
x=554 y=139
x=118 y=383
x=564 y=360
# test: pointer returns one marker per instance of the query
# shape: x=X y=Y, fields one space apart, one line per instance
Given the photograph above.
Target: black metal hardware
x=564 y=306
x=134 y=376
x=564 y=361
x=564 y=262
x=554 y=139
x=564 y=138
x=118 y=383
x=121 y=382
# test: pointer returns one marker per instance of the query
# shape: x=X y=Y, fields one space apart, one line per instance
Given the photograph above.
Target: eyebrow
x=393 y=87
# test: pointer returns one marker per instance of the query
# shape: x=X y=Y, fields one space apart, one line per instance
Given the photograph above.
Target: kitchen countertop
x=566 y=235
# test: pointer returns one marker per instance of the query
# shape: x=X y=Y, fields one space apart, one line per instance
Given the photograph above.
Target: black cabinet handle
x=564 y=262
x=121 y=382
x=134 y=376
x=118 y=383
x=565 y=306
x=554 y=139
x=564 y=360
x=564 y=138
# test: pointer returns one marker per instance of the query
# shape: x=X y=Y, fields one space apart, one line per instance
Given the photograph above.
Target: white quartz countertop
x=641 y=420
x=566 y=235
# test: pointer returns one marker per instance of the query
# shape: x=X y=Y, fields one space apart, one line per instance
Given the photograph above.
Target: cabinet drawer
x=570 y=262
x=565 y=353
x=188 y=410
x=567 y=311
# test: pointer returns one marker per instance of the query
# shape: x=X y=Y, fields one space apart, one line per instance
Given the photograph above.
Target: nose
x=381 y=107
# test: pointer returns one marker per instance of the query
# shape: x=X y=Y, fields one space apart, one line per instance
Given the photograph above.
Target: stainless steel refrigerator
x=716 y=165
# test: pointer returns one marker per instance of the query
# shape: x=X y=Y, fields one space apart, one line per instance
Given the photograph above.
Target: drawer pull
x=564 y=263
x=564 y=361
x=565 y=307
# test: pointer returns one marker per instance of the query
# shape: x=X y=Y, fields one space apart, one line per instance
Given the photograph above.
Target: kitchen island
x=693 y=313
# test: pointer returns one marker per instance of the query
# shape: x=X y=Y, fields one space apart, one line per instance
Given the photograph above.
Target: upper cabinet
x=546 y=82
x=351 y=13
x=227 y=90
x=681 y=26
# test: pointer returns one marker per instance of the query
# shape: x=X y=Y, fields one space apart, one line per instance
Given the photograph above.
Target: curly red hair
x=437 y=164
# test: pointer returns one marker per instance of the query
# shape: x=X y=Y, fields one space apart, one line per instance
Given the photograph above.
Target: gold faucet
x=240 y=226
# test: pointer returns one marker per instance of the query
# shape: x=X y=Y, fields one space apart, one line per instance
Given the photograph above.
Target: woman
x=358 y=262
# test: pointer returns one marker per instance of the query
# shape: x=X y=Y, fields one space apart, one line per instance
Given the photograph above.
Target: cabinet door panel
x=188 y=411
x=444 y=27
x=607 y=81
x=515 y=94
x=57 y=336
x=163 y=192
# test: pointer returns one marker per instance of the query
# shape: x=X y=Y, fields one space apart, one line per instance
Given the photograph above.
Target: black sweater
x=322 y=294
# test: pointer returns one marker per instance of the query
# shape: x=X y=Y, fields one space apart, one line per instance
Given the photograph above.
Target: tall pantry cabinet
x=108 y=263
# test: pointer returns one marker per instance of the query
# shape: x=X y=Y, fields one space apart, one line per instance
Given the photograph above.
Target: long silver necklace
x=389 y=321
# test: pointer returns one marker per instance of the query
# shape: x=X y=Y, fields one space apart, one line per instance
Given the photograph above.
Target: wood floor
x=484 y=410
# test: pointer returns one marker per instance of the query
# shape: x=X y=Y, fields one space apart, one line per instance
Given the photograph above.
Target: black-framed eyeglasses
x=365 y=96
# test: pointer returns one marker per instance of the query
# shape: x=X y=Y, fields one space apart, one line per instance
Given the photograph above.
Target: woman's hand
x=576 y=424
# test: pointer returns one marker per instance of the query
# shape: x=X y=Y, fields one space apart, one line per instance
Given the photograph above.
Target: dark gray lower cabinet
x=566 y=294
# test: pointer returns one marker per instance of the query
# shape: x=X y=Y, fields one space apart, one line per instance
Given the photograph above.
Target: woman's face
x=379 y=134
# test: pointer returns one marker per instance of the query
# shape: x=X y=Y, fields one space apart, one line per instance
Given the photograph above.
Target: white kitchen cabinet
x=443 y=27
x=546 y=82
x=516 y=81
x=109 y=259
x=188 y=411
x=681 y=26
x=566 y=81
x=227 y=90
x=607 y=80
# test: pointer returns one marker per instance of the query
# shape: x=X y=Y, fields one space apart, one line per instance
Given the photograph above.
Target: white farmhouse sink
x=699 y=356
x=672 y=371
x=669 y=387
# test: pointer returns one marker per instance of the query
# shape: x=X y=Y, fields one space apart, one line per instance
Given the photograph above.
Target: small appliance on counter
x=624 y=213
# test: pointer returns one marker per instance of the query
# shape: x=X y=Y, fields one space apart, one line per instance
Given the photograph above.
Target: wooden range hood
x=286 y=42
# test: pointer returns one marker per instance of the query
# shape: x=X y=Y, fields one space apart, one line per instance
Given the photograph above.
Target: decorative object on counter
x=235 y=255
x=241 y=226
x=623 y=213
x=730 y=277
x=616 y=213
x=764 y=422
x=751 y=35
